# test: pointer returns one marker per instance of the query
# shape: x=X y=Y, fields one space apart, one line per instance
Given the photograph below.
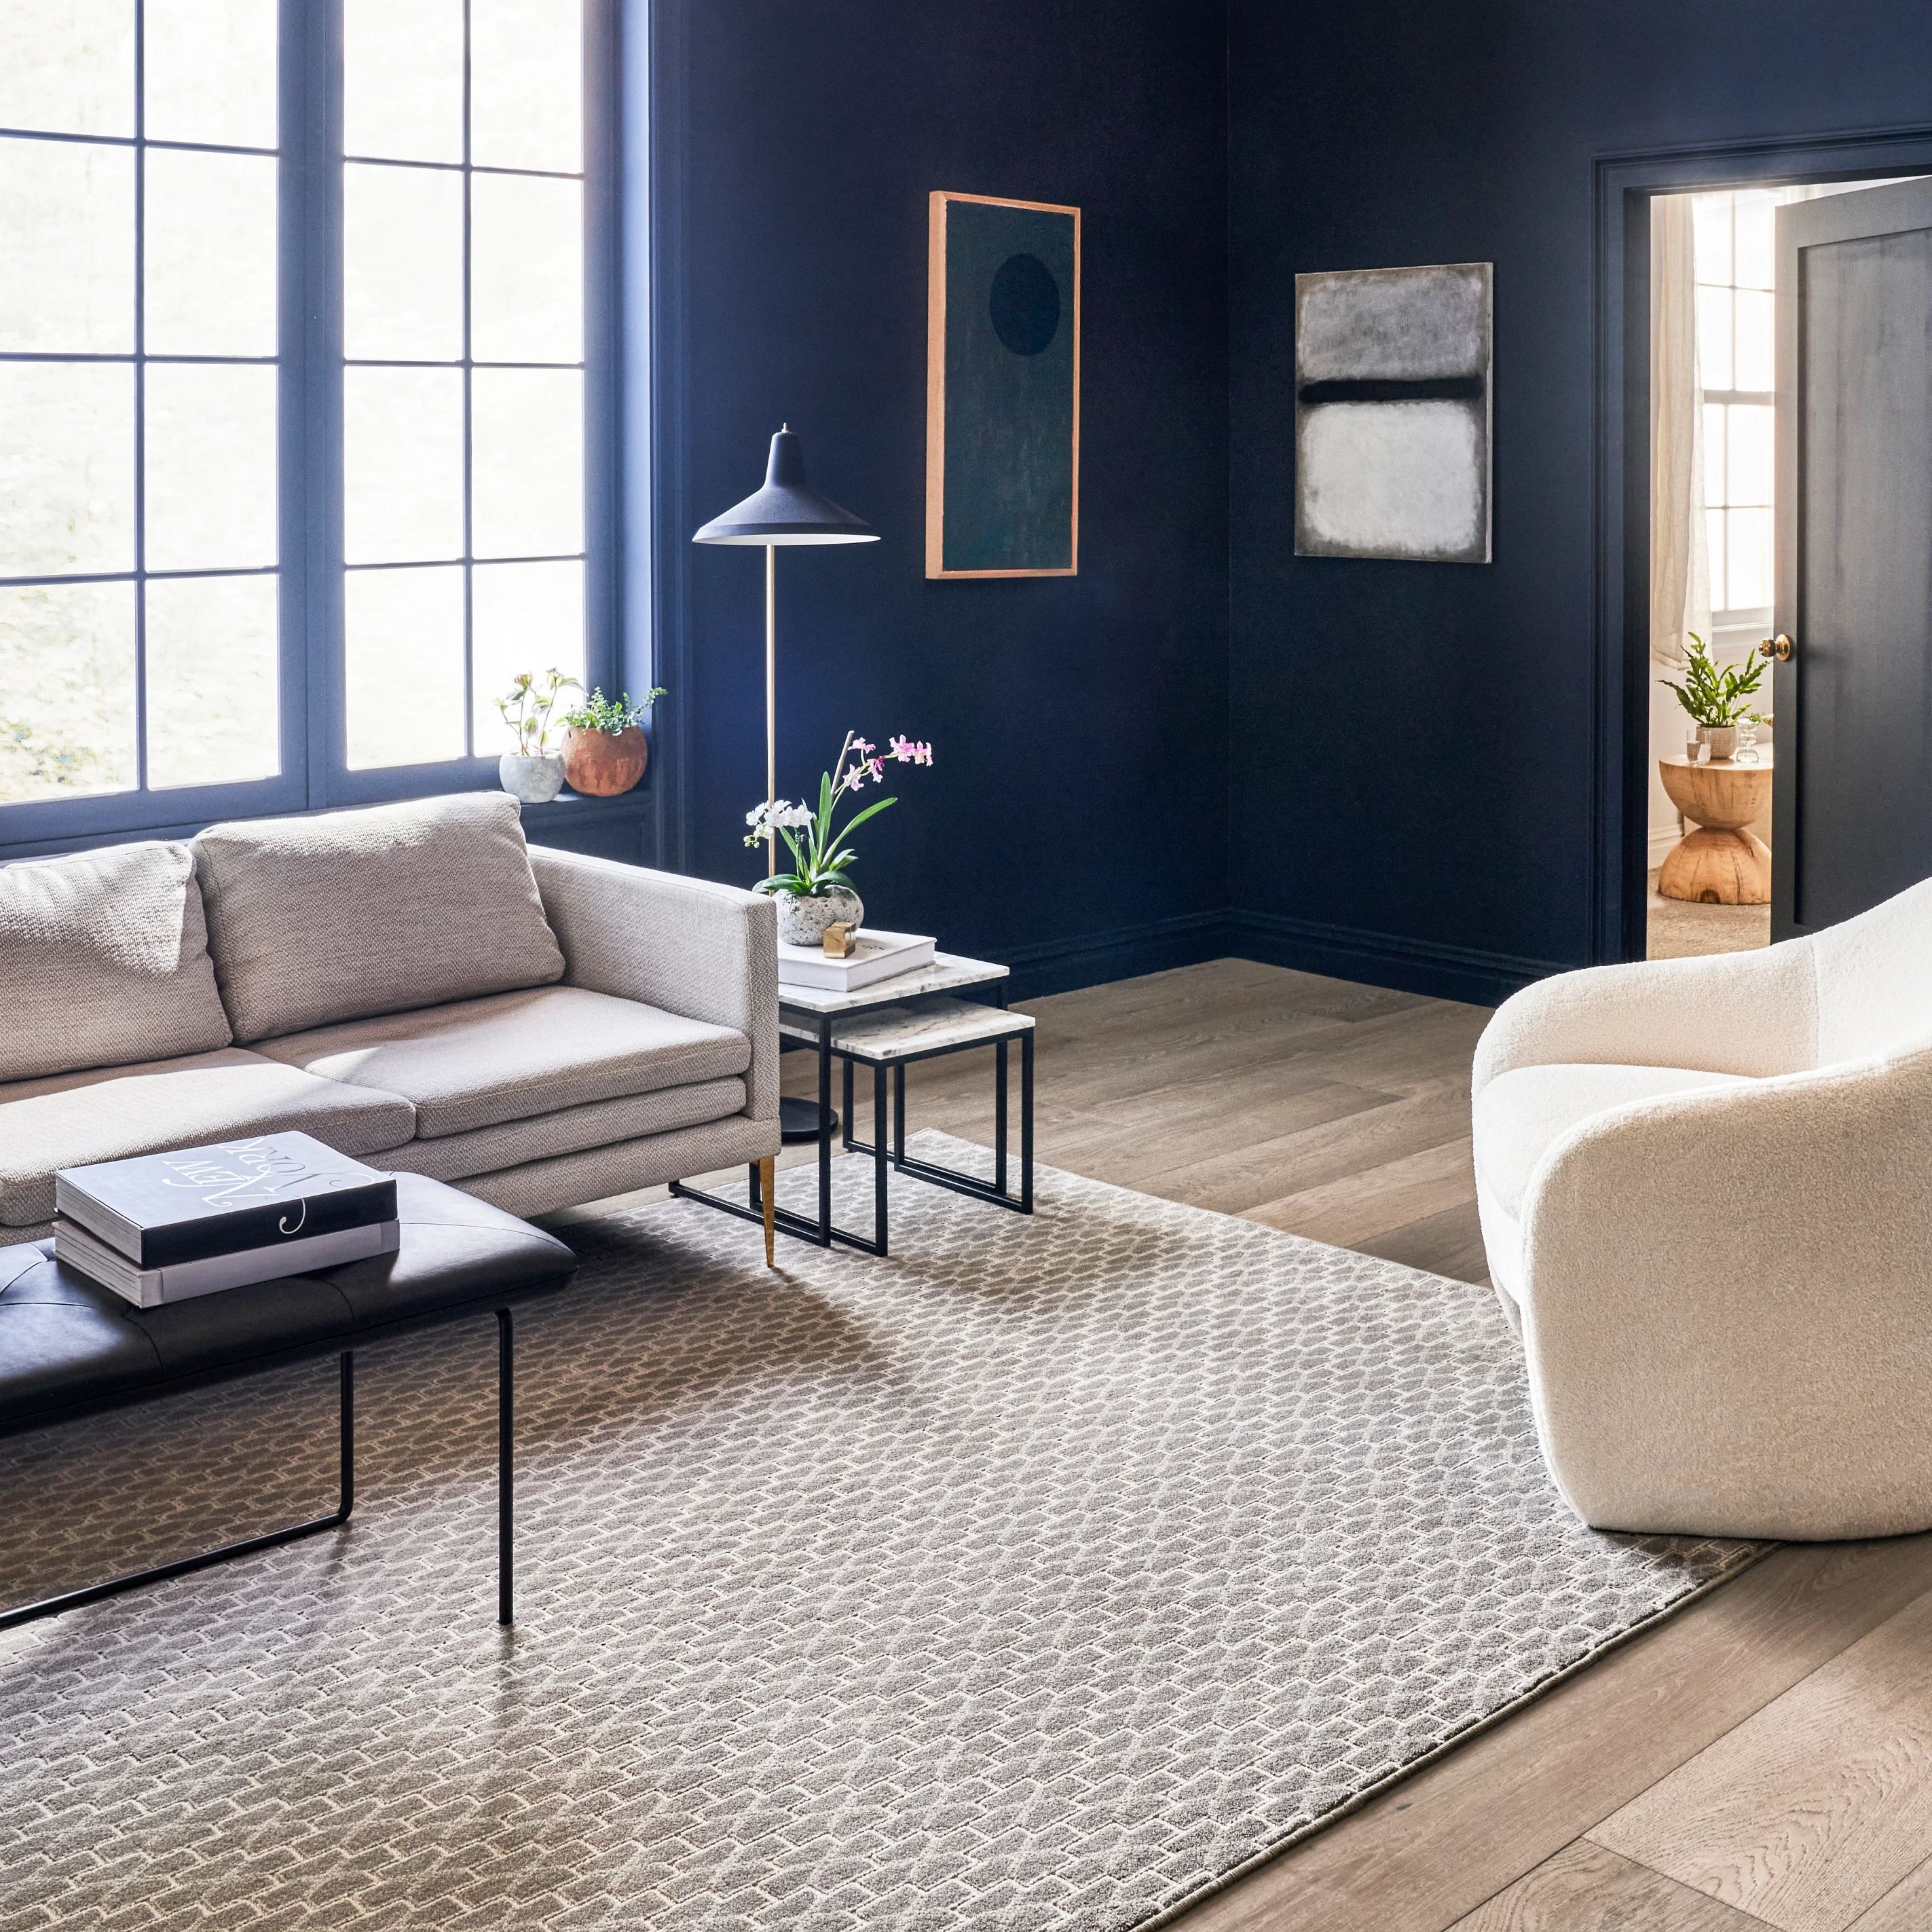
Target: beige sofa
x=411 y=985
x=1704 y=1191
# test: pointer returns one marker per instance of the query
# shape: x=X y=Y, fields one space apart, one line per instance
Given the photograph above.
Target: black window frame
x=314 y=773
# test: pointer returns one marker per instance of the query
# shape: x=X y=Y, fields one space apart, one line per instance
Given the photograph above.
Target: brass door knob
x=1778 y=647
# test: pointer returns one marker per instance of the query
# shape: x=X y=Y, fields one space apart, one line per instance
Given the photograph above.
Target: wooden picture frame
x=1003 y=382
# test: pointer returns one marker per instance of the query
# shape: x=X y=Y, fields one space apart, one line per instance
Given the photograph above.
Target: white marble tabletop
x=947 y=971
x=900 y=1033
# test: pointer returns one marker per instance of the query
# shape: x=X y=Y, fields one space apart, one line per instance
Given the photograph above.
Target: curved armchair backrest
x=1874 y=977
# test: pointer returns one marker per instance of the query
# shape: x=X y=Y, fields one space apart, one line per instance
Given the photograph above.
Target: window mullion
x=140 y=426
x=468 y=413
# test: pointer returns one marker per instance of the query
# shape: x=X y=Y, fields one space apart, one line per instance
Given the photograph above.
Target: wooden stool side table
x=1719 y=863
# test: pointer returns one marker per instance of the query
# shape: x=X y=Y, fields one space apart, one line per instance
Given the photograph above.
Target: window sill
x=568 y=809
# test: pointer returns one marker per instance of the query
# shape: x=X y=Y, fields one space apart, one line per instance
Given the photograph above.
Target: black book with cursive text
x=161 y=1210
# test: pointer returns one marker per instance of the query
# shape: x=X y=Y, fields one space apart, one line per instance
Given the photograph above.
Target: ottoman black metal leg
x=72 y=1600
x=506 y=1470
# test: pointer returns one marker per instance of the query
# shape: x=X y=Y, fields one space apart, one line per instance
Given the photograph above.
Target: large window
x=138 y=476
x=463 y=331
x=292 y=453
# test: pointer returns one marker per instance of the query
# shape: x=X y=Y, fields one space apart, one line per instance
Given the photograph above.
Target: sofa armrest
x=1753 y=1013
x=1724 y=1303
x=707 y=951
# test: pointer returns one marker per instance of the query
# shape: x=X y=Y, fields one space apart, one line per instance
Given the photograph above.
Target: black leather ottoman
x=69 y=1347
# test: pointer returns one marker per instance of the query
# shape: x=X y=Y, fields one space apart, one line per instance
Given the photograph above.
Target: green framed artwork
x=1003 y=388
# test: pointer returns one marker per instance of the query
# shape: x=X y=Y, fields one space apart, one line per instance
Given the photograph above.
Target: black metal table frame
x=94 y=1593
x=822 y=1232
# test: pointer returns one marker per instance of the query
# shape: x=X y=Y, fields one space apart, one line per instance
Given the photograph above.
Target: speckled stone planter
x=802 y=922
x=535 y=780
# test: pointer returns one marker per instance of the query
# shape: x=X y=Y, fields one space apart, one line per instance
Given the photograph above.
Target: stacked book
x=875 y=956
x=167 y=1226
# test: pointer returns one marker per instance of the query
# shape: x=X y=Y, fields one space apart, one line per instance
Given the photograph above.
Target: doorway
x=1713 y=403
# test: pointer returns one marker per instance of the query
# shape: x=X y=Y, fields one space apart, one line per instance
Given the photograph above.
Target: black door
x=1852 y=691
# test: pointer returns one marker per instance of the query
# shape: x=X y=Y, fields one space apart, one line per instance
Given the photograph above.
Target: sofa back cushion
x=103 y=958
x=349 y=914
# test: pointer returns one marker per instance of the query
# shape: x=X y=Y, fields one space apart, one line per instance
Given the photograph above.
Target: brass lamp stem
x=771 y=703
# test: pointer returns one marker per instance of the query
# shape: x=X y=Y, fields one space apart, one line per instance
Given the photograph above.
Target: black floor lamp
x=786 y=511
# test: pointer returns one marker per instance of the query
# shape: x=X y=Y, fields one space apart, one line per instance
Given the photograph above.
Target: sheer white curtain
x=1680 y=563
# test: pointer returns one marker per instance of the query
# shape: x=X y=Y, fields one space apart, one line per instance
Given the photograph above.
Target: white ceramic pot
x=1722 y=738
x=802 y=921
x=535 y=780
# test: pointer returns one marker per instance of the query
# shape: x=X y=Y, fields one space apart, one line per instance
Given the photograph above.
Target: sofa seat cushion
x=70 y=1119
x=1520 y=1115
x=479 y=1062
x=104 y=958
x=602 y=1123
x=345 y=913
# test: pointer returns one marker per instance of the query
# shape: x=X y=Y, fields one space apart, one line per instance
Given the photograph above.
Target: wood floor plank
x=1356 y=1207
x=1808 y=1813
x=1450 y=1242
x=1586 y=1888
x=1440 y=1843
x=1250 y=1175
x=1907 y=1907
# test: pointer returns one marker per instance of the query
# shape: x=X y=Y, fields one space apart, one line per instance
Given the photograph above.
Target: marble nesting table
x=887 y=1026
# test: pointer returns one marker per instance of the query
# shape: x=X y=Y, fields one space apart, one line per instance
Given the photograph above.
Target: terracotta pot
x=600 y=765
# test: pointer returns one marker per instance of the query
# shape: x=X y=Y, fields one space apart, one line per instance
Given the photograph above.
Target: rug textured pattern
x=1036 y=1578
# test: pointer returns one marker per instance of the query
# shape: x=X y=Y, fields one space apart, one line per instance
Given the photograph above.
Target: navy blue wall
x=1411 y=745
x=1080 y=724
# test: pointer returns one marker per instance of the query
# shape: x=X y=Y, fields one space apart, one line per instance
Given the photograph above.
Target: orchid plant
x=819 y=852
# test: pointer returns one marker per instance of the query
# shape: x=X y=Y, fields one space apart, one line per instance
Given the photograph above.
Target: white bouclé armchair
x=1706 y=1187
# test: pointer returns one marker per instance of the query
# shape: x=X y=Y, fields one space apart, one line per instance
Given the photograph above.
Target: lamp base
x=802 y=1119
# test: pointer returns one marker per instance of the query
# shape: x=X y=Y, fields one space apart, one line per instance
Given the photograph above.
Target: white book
x=875 y=956
x=151 y=1287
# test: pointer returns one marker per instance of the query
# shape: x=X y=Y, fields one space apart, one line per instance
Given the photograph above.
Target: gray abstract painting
x=1392 y=379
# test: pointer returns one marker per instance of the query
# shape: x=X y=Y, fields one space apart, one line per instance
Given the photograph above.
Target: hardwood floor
x=1763 y=1758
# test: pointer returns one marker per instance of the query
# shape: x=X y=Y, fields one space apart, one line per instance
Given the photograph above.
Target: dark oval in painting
x=1025 y=305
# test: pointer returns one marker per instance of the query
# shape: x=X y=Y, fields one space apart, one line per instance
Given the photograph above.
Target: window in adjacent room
x=1735 y=241
x=138 y=383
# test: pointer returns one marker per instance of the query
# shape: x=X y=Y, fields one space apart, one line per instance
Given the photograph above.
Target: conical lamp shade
x=786 y=511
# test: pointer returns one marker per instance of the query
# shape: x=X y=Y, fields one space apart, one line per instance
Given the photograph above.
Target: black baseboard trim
x=1062 y=966
x=1275 y=939
x=1383 y=958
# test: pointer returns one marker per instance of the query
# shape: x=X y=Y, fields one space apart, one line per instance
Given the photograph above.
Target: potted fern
x=604 y=749
x=1715 y=695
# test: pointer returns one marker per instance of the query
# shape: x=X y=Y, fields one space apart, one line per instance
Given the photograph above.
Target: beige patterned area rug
x=1038 y=1578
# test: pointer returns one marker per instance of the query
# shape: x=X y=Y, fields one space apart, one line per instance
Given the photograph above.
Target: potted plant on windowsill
x=817 y=892
x=532 y=772
x=1715 y=695
x=604 y=749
